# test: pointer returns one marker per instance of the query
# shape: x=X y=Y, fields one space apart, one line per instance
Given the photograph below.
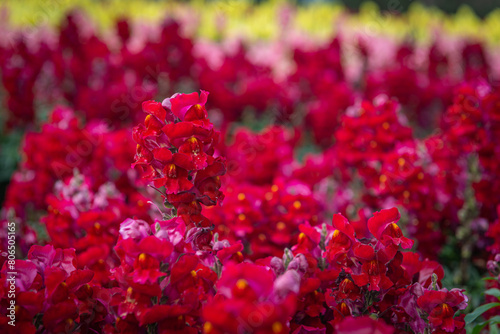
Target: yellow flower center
x=242 y=284
x=277 y=327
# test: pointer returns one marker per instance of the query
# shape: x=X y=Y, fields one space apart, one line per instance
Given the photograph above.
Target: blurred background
x=480 y=7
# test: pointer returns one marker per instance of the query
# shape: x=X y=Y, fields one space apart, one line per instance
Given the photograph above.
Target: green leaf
x=478 y=328
x=493 y=329
x=491 y=321
x=493 y=292
x=489 y=278
x=477 y=312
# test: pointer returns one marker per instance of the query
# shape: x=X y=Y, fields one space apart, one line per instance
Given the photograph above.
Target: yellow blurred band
x=240 y=18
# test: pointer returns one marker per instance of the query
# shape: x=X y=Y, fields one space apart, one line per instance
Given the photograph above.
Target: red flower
x=442 y=305
x=250 y=280
x=348 y=290
x=190 y=104
x=175 y=179
x=383 y=226
x=246 y=302
x=365 y=325
x=342 y=241
x=373 y=269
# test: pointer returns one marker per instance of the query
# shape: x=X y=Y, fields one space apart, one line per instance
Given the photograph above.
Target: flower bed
x=170 y=183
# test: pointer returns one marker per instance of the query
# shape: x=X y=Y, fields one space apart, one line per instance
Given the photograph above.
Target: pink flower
x=136 y=229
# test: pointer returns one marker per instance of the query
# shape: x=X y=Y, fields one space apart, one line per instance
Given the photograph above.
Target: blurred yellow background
x=240 y=18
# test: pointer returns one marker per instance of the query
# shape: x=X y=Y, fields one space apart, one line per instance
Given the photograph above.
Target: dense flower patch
x=323 y=196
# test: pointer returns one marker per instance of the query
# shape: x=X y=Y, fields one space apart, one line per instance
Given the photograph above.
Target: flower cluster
x=175 y=275
x=332 y=274
x=93 y=149
x=53 y=295
x=175 y=148
x=89 y=222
